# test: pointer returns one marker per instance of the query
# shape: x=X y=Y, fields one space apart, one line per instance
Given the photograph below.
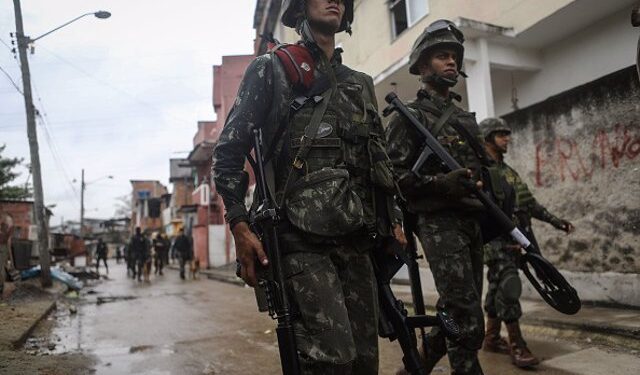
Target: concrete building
x=148 y=204
x=25 y=232
x=204 y=217
x=560 y=71
x=181 y=179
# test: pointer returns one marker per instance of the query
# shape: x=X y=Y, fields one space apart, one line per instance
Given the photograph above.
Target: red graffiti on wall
x=565 y=158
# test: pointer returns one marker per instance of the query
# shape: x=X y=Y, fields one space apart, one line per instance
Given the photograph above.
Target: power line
x=7 y=45
x=12 y=81
x=108 y=84
x=42 y=115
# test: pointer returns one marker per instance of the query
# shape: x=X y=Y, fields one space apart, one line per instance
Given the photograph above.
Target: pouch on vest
x=323 y=203
x=381 y=167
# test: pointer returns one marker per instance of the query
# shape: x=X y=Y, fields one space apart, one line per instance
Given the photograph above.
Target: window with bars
x=405 y=13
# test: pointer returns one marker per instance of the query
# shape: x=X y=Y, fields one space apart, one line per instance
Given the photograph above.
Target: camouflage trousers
x=334 y=295
x=505 y=287
x=453 y=246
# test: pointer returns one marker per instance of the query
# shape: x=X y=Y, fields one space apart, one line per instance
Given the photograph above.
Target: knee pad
x=511 y=287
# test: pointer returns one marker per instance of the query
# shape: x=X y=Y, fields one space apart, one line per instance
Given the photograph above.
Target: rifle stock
x=551 y=285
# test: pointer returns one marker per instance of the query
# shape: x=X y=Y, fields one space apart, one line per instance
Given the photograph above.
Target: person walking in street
x=6 y=232
x=502 y=254
x=329 y=136
x=101 y=254
x=139 y=252
x=446 y=213
x=172 y=252
x=129 y=260
x=183 y=251
x=119 y=253
x=161 y=250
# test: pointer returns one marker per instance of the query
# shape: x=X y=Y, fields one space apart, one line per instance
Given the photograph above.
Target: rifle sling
x=437 y=127
x=478 y=149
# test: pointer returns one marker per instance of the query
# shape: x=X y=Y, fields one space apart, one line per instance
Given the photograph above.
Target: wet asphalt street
x=169 y=326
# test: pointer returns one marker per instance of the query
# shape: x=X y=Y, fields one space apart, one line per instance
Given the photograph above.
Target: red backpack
x=298 y=63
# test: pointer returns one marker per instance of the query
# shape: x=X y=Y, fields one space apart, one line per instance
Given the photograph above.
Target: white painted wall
x=217 y=250
x=602 y=48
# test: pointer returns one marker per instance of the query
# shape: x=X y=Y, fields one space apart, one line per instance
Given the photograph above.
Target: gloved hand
x=563 y=225
x=455 y=184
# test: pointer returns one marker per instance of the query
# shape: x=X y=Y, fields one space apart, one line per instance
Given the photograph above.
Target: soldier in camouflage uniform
x=501 y=255
x=447 y=222
x=335 y=196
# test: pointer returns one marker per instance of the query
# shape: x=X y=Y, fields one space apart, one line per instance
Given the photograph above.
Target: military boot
x=492 y=340
x=520 y=354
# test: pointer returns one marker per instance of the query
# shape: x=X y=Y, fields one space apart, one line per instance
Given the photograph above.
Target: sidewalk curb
x=17 y=343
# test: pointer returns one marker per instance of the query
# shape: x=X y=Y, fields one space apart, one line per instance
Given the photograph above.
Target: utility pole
x=38 y=195
x=87 y=253
x=82 y=187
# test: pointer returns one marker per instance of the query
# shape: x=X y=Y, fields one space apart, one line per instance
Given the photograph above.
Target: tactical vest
x=468 y=155
x=454 y=143
x=334 y=192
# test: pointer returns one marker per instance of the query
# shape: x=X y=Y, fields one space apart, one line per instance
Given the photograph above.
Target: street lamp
x=102 y=14
x=38 y=195
x=83 y=187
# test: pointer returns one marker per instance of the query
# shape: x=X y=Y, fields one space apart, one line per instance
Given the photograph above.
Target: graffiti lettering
x=564 y=158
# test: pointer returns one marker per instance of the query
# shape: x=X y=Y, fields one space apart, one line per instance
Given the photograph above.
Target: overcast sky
x=118 y=96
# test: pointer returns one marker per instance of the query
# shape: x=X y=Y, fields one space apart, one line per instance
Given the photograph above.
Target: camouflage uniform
x=330 y=277
x=505 y=287
x=448 y=229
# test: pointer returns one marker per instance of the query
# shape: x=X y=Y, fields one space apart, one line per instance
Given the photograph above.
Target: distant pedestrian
x=119 y=254
x=101 y=254
x=128 y=258
x=6 y=231
x=139 y=252
x=161 y=250
x=172 y=251
x=183 y=251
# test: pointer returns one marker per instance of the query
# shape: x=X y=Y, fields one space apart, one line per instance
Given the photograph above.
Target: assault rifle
x=395 y=322
x=271 y=293
x=548 y=281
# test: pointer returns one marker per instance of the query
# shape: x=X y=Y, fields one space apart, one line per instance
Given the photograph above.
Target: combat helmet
x=440 y=33
x=491 y=125
x=294 y=9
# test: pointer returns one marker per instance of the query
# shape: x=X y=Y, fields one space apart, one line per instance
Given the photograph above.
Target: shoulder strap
x=311 y=132
x=478 y=149
x=444 y=117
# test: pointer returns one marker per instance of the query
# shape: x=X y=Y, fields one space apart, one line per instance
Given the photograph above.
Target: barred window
x=405 y=13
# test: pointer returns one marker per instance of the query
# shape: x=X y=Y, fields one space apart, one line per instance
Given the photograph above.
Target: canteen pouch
x=323 y=203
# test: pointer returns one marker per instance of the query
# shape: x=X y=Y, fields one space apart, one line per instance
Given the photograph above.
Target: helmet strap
x=439 y=81
x=304 y=29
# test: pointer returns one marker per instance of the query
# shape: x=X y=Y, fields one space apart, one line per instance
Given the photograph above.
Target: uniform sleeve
x=250 y=109
x=403 y=147
x=533 y=208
